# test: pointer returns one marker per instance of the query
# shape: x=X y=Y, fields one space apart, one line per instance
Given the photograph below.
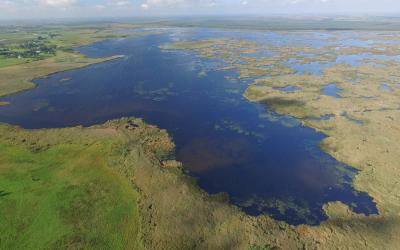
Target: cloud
x=144 y=6
x=119 y=3
x=58 y=3
x=168 y=4
x=162 y=3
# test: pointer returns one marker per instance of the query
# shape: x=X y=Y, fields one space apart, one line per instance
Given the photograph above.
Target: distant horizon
x=103 y=9
x=303 y=16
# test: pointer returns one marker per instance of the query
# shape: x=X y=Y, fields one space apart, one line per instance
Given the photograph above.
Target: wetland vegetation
x=120 y=183
x=362 y=126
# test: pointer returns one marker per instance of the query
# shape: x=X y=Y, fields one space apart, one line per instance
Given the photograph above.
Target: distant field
x=290 y=23
x=21 y=44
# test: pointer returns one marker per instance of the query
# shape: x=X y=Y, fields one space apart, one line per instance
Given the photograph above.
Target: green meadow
x=64 y=197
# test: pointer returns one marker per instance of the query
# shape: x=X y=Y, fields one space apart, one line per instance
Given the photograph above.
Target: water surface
x=331 y=90
x=384 y=87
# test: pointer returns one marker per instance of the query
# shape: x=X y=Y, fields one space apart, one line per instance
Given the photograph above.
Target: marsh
x=266 y=162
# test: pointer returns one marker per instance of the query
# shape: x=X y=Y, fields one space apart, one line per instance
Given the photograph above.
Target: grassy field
x=5 y=62
x=66 y=189
x=289 y=23
x=64 y=196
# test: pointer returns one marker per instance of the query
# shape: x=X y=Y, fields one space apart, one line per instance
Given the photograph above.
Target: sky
x=11 y=9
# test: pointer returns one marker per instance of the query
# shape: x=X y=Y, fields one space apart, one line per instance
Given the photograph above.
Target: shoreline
x=31 y=85
x=15 y=79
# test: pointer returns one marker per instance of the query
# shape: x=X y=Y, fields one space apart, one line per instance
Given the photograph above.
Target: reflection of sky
x=384 y=87
x=331 y=90
x=297 y=39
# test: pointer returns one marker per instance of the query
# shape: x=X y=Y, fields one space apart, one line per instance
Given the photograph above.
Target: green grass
x=65 y=197
x=4 y=62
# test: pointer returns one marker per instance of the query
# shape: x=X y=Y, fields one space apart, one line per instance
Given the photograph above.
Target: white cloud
x=144 y=6
x=119 y=3
x=58 y=3
x=158 y=4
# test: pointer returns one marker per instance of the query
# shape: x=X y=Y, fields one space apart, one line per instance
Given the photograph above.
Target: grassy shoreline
x=18 y=77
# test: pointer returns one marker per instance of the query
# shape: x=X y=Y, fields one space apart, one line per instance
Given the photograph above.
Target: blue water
x=384 y=87
x=331 y=90
x=266 y=163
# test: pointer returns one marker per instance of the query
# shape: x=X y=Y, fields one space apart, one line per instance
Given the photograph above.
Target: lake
x=267 y=163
